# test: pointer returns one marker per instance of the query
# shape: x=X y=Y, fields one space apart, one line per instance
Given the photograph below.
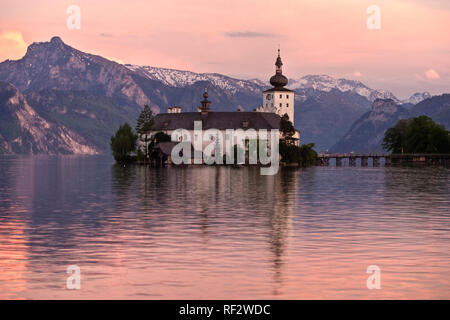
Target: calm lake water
x=211 y=233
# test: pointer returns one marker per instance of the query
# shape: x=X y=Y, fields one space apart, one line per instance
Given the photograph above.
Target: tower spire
x=205 y=108
x=278 y=80
x=278 y=63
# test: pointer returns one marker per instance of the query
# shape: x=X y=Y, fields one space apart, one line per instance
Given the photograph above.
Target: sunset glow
x=408 y=54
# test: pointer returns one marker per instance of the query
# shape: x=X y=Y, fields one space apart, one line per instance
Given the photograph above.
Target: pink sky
x=409 y=53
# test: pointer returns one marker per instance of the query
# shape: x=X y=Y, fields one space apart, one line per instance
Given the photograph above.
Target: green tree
x=123 y=143
x=417 y=135
x=287 y=129
x=289 y=153
x=144 y=125
x=304 y=155
x=394 y=138
x=308 y=155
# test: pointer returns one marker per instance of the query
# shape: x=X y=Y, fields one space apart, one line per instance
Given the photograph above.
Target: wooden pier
x=388 y=159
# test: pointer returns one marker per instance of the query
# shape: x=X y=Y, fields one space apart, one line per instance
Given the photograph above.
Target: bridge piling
x=389 y=159
x=376 y=161
x=364 y=161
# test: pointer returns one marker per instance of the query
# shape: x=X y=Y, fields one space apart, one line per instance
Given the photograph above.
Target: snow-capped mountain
x=327 y=83
x=182 y=78
x=87 y=97
x=417 y=97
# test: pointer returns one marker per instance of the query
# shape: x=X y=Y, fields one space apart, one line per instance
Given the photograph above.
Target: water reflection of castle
x=231 y=200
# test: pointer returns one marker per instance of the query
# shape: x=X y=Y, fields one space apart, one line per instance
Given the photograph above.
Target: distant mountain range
x=24 y=131
x=367 y=133
x=85 y=98
x=327 y=83
x=180 y=79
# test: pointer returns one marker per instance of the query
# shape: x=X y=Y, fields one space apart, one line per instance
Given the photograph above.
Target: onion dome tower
x=278 y=80
x=279 y=99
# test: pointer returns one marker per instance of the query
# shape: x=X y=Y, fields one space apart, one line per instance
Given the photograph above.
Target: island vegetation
x=417 y=135
x=303 y=155
x=144 y=125
x=124 y=143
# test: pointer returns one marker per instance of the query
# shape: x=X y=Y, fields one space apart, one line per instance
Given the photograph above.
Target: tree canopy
x=287 y=128
x=123 y=143
x=417 y=135
x=304 y=155
x=144 y=125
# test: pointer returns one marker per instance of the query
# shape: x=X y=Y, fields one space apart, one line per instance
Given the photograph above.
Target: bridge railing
x=353 y=155
x=383 y=155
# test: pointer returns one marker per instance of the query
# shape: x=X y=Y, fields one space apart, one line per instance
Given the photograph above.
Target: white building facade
x=278 y=99
x=279 y=102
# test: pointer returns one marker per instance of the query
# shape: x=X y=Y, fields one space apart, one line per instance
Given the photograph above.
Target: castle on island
x=276 y=102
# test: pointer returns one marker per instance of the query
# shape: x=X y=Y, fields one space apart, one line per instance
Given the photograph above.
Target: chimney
x=174 y=109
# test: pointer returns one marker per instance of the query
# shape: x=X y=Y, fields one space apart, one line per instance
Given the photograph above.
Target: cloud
x=106 y=35
x=431 y=74
x=12 y=45
x=439 y=4
x=248 y=34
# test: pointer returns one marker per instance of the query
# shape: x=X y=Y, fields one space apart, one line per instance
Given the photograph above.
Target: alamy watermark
x=74 y=19
x=374 y=280
x=73 y=282
x=228 y=146
x=374 y=20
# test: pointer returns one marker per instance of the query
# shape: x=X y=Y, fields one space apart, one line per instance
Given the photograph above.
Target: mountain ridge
x=91 y=95
x=367 y=133
x=24 y=131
